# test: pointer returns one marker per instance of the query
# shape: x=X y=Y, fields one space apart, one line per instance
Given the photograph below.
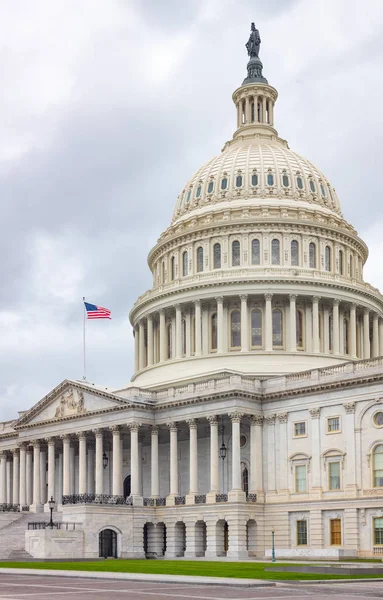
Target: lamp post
x=272 y=545
x=105 y=460
x=51 y=505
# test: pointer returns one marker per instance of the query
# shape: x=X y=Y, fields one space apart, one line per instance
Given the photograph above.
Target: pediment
x=70 y=400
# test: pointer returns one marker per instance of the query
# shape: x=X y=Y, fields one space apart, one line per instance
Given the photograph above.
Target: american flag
x=96 y=312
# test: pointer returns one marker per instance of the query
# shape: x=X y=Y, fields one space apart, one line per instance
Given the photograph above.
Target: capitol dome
x=258 y=272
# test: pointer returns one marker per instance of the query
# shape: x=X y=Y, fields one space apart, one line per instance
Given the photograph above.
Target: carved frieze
x=71 y=402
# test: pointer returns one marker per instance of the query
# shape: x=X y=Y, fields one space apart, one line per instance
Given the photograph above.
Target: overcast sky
x=107 y=107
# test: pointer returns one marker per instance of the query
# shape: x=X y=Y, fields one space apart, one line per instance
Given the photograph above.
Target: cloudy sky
x=107 y=107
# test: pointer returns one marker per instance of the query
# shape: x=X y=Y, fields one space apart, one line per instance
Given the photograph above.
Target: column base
x=171 y=499
x=211 y=497
x=236 y=496
x=190 y=498
x=36 y=508
x=138 y=500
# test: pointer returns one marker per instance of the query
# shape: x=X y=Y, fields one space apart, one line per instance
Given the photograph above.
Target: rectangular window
x=300 y=428
x=378 y=531
x=333 y=424
x=300 y=479
x=335 y=532
x=301 y=533
x=334 y=475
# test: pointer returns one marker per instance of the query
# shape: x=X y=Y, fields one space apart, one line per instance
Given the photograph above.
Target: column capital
x=154 y=429
x=375 y=316
x=282 y=417
x=65 y=437
x=149 y=317
x=22 y=445
x=352 y=306
x=192 y=423
x=98 y=433
x=219 y=299
x=268 y=297
x=256 y=419
x=197 y=302
x=3 y=454
x=316 y=299
x=235 y=417
x=177 y=306
x=243 y=297
x=172 y=425
x=15 y=451
x=349 y=407
x=366 y=311
x=270 y=419
x=314 y=412
x=36 y=443
x=134 y=426
x=161 y=312
x=115 y=429
x=50 y=441
x=81 y=435
x=213 y=419
x=293 y=297
x=336 y=302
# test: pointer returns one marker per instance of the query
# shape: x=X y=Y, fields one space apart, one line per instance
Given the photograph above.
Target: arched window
x=299 y=329
x=245 y=479
x=198 y=193
x=312 y=186
x=341 y=262
x=185 y=264
x=238 y=181
x=217 y=256
x=299 y=183
x=270 y=179
x=275 y=252
x=255 y=252
x=330 y=334
x=345 y=336
x=169 y=341
x=327 y=258
x=173 y=268
x=312 y=256
x=214 y=336
x=256 y=328
x=199 y=259
x=163 y=272
x=224 y=183
x=210 y=187
x=235 y=329
x=235 y=254
x=285 y=180
x=323 y=190
x=254 y=179
x=277 y=328
x=378 y=465
x=184 y=337
x=351 y=265
x=294 y=253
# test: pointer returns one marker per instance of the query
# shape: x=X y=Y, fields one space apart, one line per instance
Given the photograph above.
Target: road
x=23 y=587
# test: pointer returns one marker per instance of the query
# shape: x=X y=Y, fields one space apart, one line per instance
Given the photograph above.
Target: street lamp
x=223 y=449
x=51 y=504
x=105 y=460
x=272 y=545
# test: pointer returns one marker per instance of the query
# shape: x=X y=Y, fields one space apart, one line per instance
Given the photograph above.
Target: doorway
x=108 y=543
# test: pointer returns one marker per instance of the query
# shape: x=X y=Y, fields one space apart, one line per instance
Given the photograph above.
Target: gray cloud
x=108 y=109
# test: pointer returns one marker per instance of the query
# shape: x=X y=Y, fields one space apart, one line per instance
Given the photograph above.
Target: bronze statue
x=254 y=42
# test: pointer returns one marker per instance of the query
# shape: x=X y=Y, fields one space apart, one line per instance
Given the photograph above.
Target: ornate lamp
x=105 y=460
x=223 y=449
x=51 y=504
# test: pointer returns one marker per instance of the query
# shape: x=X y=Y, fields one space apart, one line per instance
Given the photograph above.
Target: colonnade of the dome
x=254 y=323
x=255 y=105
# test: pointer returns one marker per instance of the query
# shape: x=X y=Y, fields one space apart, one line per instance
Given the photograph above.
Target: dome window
x=277 y=321
x=217 y=256
x=238 y=181
x=294 y=253
x=210 y=187
x=323 y=190
x=254 y=179
x=299 y=183
x=341 y=262
x=327 y=258
x=275 y=252
x=200 y=259
x=312 y=186
x=255 y=252
x=285 y=181
x=188 y=196
x=185 y=264
x=224 y=184
x=236 y=254
x=198 y=191
x=270 y=179
x=312 y=256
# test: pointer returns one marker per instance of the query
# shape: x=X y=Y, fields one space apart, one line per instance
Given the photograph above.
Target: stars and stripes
x=96 y=312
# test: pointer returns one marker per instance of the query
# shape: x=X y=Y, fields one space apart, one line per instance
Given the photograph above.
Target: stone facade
x=256 y=401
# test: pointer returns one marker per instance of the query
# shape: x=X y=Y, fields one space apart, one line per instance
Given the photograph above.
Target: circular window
x=243 y=441
x=378 y=419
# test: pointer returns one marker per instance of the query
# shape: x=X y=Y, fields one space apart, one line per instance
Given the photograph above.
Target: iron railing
x=178 y=500
x=7 y=507
x=160 y=501
x=221 y=498
x=94 y=499
x=200 y=499
x=251 y=498
x=41 y=525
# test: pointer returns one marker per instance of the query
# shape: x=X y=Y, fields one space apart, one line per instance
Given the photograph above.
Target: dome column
x=335 y=327
x=162 y=336
x=293 y=323
x=136 y=350
x=244 y=324
x=326 y=322
x=366 y=334
x=142 y=345
x=316 y=347
x=219 y=300
x=353 y=331
x=375 y=336
x=197 y=334
x=380 y=337
x=178 y=331
x=150 y=341
x=268 y=323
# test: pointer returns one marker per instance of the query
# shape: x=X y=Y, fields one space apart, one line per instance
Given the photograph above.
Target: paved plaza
x=20 y=587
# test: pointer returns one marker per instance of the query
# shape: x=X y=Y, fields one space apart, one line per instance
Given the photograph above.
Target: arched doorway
x=108 y=543
x=127 y=486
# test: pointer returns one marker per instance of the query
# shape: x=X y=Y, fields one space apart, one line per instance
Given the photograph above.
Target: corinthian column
x=66 y=464
x=293 y=323
x=82 y=462
x=15 y=476
x=178 y=331
x=150 y=340
x=162 y=336
x=154 y=463
x=353 y=331
x=99 y=485
x=198 y=340
x=36 y=503
x=51 y=467
x=236 y=494
x=256 y=455
x=134 y=466
x=366 y=334
x=193 y=461
x=142 y=345
x=316 y=347
x=335 y=327
x=3 y=478
x=219 y=300
x=117 y=462
x=375 y=335
x=214 y=472
x=22 y=493
x=244 y=324
x=173 y=428
x=268 y=323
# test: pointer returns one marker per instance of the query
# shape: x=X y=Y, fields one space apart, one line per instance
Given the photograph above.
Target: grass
x=241 y=570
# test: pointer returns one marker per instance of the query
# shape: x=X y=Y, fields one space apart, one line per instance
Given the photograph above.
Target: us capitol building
x=256 y=402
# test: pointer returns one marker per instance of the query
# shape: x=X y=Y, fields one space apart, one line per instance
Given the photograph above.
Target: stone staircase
x=13 y=534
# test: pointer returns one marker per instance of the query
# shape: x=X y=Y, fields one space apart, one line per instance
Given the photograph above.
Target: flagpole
x=84 y=375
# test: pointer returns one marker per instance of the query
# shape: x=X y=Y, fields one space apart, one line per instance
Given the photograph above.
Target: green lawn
x=250 y=570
